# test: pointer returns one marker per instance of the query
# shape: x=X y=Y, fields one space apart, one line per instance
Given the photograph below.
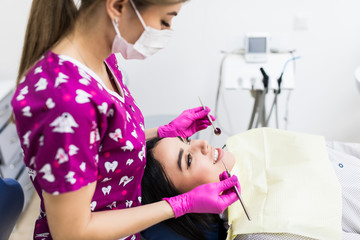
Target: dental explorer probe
x=237 y=193
x=217 y=131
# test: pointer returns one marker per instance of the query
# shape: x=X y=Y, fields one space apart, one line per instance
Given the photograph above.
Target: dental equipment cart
x=260 y=78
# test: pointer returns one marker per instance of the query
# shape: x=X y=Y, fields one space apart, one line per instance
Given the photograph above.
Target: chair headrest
x=357 y=77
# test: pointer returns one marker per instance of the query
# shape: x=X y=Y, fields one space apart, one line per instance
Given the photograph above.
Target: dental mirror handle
x=242 y=204
x=217 y=131
x=238 y=194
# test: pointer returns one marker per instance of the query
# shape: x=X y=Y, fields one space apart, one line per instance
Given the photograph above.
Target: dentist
x=81 y=132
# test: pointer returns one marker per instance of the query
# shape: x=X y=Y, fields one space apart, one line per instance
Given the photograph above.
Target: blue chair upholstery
x=11 y=205
x=161 y=231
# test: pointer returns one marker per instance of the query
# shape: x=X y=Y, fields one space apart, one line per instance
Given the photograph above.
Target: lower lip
x=221 y=154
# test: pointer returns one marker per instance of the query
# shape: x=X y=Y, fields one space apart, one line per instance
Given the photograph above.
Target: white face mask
x=150 y=41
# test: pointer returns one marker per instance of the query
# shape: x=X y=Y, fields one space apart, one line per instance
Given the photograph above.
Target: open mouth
x=218 y=153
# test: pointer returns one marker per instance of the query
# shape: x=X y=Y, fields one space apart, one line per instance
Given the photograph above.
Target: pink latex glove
x=187 y=123
x=224 y=176
x=205 y=198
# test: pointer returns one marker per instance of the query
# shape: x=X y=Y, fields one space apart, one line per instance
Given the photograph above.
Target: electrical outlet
x=301 y=21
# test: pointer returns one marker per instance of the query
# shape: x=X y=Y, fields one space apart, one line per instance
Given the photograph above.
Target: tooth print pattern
x=75 y=131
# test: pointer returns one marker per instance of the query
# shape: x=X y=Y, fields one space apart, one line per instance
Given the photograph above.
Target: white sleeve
x=271 y=236
x=345 y=158
x=350 y=236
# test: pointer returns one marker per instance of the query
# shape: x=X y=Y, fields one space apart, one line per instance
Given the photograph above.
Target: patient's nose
x=203 y=146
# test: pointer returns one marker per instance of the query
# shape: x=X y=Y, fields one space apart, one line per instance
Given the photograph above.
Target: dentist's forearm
x=121 y=223
x=69 y=217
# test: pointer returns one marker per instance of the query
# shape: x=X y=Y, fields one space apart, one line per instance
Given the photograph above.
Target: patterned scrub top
x=74 y=131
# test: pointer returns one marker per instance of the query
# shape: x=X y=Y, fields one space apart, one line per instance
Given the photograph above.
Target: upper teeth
x=216 y=155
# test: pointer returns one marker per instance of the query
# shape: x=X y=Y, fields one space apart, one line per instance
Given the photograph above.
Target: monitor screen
x=257 y=45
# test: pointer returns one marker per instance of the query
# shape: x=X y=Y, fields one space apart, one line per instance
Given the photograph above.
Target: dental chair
x=152 y=121
x=11 y=205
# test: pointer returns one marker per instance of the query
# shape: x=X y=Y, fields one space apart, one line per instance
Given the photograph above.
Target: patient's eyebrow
x=181 y=152
x=174 y=13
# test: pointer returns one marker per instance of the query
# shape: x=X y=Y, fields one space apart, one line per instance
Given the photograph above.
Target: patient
x=177 y=165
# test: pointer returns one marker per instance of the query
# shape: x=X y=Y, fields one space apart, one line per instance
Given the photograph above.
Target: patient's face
x=190 y=164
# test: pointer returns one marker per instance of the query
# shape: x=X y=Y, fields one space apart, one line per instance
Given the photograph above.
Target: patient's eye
x=189 y=160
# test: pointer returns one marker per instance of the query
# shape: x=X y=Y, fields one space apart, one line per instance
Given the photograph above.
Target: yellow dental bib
x=287 y=184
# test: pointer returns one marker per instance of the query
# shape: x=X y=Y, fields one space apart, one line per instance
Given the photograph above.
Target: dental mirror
x=217 y=131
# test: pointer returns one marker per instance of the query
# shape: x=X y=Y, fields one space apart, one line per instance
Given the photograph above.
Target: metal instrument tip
x=237 y=193
x=217 y=131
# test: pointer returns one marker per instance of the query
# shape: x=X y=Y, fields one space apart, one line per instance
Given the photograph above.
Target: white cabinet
x=11 y=158
x=9 y=144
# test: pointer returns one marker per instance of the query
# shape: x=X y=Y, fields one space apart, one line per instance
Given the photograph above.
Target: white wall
x=324 y=102
x=13 y=20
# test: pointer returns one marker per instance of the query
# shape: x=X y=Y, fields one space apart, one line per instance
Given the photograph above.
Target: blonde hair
x=50 y=20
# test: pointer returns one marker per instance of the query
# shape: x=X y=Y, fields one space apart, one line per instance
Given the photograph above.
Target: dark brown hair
x=48 y=21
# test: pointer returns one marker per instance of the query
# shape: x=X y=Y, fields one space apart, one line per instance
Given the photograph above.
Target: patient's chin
x=229 y=160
